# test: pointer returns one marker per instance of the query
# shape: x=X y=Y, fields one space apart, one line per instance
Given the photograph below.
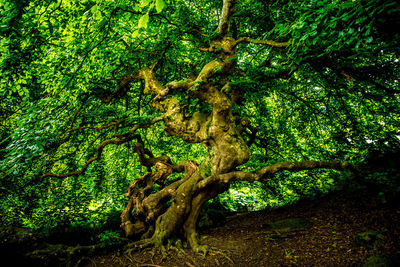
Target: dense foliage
x=332 y=93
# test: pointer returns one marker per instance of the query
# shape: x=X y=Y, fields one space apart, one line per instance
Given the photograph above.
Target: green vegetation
x=94 y=94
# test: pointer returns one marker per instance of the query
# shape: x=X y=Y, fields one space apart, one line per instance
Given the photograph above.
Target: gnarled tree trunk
x=219 y=131
x=147 y=216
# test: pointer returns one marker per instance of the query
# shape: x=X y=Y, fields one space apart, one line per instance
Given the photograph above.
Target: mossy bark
x=217 y=131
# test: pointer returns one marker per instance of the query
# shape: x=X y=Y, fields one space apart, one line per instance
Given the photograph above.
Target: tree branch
x=269 y=170
x=224 y=22
x=151 y=160
x=98 y=128
x=117 y=140
x=262 y=42
x=120 y=89
x=100 y=149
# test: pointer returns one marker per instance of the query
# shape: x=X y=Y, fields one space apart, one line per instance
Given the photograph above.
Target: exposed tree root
x=189 y=264
x=203 y=250
x=139 y=245
x=223 y=254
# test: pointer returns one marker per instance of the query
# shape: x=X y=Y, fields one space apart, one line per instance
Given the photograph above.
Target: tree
x=86 y=58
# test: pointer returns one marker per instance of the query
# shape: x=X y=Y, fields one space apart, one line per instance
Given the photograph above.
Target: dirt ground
x=243 y=241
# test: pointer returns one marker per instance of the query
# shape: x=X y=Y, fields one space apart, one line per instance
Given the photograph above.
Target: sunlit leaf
x=135 y=34
x=143 y=21
x=160 y=4
x=144 y=3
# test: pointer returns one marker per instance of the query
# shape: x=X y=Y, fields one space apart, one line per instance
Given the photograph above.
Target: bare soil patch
x=246 y=241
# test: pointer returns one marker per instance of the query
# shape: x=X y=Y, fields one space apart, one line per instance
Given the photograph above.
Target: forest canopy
x=155 y=108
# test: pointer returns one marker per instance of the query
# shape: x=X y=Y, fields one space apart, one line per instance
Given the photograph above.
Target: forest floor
x=244 y=240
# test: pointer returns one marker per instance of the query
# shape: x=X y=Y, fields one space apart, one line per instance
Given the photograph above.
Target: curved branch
x=269 y=170
x=118 y=140
x=100 y=149
x=300 y=166
x=151 y=160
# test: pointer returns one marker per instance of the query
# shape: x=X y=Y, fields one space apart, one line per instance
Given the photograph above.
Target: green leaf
x=135 y=34
x=96 y=12
x=160 y=5
x=3 y=28
x=144 y=3
x=94 y=9
x=143 y=21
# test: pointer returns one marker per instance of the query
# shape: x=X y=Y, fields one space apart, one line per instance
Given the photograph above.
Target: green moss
x=205 y=169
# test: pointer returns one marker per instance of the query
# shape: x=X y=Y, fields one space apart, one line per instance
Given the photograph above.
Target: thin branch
x=87 y=54
x=100 y=148
x=262 y=42
x=54 y=10
x=76 y=113
x=300 y=166
x=140 y=126
x=108 y=125
x=120 y=89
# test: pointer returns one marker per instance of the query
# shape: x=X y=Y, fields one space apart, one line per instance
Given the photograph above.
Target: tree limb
x=269 y=170
x=262 y=42
x=224 y=22
x=111 y=124
x=117 y=140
